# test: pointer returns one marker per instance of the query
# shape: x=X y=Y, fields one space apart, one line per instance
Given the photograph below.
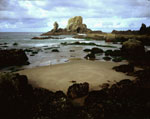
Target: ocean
x=43 y=48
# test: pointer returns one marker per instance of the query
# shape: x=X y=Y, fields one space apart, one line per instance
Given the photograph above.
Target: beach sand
x=60 y=76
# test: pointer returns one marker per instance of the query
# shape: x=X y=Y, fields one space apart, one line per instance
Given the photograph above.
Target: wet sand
x=60 y=76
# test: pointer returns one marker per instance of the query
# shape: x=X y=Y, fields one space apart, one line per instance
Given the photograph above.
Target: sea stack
x=75 y=24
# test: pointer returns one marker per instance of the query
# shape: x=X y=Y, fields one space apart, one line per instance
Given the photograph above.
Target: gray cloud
x=109 y=14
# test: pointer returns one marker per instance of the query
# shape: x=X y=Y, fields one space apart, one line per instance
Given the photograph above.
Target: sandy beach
x=60 y=76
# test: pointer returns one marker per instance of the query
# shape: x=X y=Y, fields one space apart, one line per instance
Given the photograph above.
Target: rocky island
x=75 y=25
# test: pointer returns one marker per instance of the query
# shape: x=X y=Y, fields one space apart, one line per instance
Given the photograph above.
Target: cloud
x=97 y=14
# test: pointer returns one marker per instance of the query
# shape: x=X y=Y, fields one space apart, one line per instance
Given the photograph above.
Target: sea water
x=47 y=57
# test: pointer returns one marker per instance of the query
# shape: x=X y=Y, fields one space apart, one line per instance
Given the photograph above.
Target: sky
x=105 y=15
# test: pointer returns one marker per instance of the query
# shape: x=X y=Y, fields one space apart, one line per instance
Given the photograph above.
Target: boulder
x=107 y=58
x=90 y=56
x=16 y=96
x=87 y=50
x=96 y=50
x=13 y=57
x=78 y=90
x=55 y=50
x=75 y=24
x=124 y=68
x=133 y=49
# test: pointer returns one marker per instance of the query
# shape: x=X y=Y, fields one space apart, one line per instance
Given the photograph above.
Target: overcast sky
x=106 y=15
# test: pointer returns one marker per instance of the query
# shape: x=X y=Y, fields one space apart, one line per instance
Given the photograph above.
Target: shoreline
x=61 y=76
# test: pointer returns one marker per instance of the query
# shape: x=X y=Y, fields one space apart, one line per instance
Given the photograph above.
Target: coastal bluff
x=75 y=25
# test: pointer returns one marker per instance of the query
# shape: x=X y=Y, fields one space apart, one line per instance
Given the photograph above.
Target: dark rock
x=143 y=74
x=72 y=50
x=96 y=97
x=107 y=58
x=96 y=50
x=78 y=90
x=87 y=50
x=90 y=56
x=15 y=44
x=113 y=53
x=118 y=59
x=13 y=57
x=143 y=29
x=108 y=52
x=126 y=68
x=116 y=53
x=34 y=52
x=55 y=50
x=28 y=50
x=133 y=49
x=16 y=96
x=125 y=82
x=40 y=38
x=104 y=86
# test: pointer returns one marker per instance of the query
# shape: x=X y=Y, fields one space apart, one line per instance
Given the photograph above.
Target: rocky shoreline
x=20 y=100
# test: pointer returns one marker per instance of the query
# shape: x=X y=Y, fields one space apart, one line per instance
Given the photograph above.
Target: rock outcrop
x=13 y=57
x=133 y=48
x=75 y=24
x=56 y=26
x=78 y=90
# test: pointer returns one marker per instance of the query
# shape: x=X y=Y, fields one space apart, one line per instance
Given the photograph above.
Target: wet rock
x=107 y=58
x=55 y=50
x=72 y=50
x=78 y=90
x=108 y=52
x=90 y=56
x=96 y=50
x=87 y=50
x=15 y=44
x=126 y=68
x=40 y=38
x=116 y=53
x=13 y=57
x=118 y=59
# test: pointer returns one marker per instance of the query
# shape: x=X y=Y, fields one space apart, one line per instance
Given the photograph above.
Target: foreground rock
x=126 y=68
x=13 y=57
x=78 y=90
x=133 y=48
x=19 y=100
x=125 y=99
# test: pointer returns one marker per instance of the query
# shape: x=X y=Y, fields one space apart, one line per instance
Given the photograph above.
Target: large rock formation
x=75 y=24
x=13 y=57
x=133 y=48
